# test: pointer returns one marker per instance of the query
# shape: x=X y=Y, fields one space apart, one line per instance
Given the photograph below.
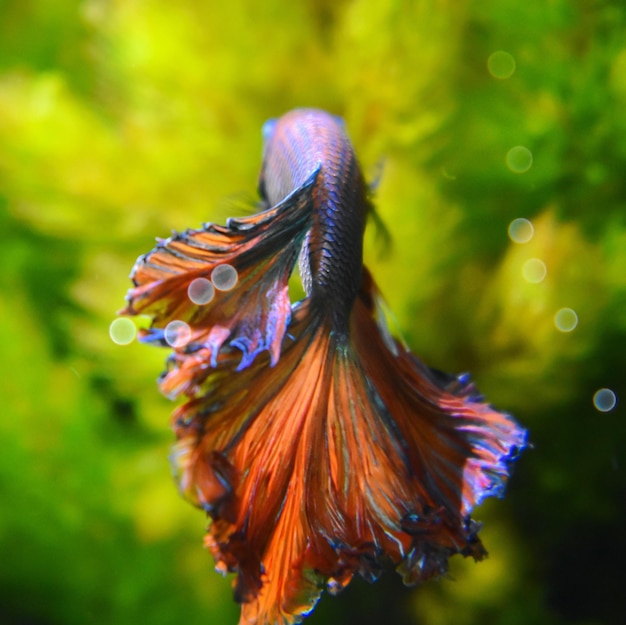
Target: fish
x=318 y=445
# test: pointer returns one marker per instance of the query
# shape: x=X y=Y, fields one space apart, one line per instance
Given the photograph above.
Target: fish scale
x=332 y=258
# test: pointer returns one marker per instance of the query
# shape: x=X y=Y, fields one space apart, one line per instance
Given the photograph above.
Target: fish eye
x=340 y=121
x=268 y=129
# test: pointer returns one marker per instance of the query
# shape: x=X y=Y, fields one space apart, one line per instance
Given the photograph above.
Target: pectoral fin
x=250 y=308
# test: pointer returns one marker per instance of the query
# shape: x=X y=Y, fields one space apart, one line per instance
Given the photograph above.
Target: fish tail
x=348 y=453
x=246 y=442
x=458 y=448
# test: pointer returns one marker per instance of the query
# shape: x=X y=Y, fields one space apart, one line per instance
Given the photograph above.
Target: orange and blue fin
x=251 y=309
x=348 y=453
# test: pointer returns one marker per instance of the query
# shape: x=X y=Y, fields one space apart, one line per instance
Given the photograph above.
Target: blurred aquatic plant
x=121 y=120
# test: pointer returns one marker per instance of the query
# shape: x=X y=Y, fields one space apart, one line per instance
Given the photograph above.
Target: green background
x=120 y=120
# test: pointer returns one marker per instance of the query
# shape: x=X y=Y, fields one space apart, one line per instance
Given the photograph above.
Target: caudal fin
x=246 y=443
x=346 y=454
x=454 y=449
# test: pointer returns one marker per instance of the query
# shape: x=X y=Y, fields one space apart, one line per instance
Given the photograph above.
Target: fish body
x=332 y=258
x=318 y=445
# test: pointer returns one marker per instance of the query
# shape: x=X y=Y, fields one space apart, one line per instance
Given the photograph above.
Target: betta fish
x=318 y=445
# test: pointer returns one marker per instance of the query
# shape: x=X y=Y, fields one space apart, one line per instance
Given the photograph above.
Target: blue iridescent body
x=331 y=261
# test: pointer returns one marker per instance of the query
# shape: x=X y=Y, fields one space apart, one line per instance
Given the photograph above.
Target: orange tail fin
x=346 y=453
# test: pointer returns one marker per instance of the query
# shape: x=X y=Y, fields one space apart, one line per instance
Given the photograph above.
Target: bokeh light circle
x=519 y=159
x=201 y=291
x=534 y=270
x=122 y=331
x=565 y=319
x=501 y=65
x=224 y=277
x=521 y=230
x=177 y=333
x=604 y=400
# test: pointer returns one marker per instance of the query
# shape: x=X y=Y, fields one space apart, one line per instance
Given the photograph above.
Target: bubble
x=122 y=331
x=200 y=291
x=604 y=400
x=565 y=319
x=501 y=65
x=177 y=333
x=521 y=230
x=519 y=159
x=534 y=270
x=224 y=277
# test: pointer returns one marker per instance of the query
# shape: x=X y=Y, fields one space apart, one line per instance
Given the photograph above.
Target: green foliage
x=122 y=120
